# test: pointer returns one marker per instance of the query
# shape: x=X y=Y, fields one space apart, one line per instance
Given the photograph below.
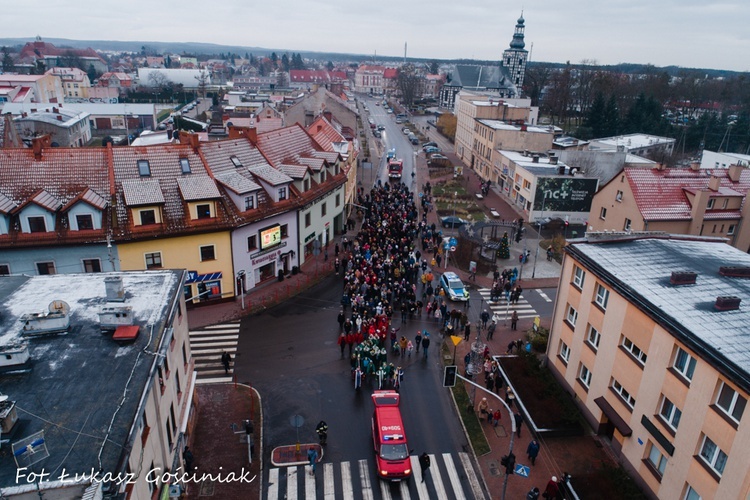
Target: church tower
x=514 y=58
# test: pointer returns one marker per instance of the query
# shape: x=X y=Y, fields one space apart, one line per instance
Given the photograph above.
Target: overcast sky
x=688 y=33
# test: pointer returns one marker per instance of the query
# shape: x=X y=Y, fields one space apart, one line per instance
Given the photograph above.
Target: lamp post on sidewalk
x=538 y=234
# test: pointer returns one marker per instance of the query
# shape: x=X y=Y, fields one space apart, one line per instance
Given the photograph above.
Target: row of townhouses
x=234 y=212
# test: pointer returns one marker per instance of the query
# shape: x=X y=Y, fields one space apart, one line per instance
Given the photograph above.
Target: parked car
x=437 y=160
x=381 y=127
x=430 y=150
x=429 y=145
x=376 y=133
x=406 y=131
x=389 y=111
x=453 y=221
x=454 y=287
x=437 y=157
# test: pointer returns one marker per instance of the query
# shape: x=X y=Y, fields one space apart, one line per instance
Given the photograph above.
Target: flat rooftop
x=78 y=379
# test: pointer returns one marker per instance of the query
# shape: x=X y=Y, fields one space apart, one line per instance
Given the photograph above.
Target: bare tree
x=202 y=83
x=410 y=84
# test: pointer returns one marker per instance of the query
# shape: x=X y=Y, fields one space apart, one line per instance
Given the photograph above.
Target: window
x=592 y=337
x=338 y=200
x=564 y=351
x=726 y=202
x=84 y=221
x=730 y=230
x=185 y=165
x=208 y=252
x=670 y=413
x=184 y=355
x=634 y=350
x=323 y=175
x=713 y=456
x=284 y=230
x=308 y=219
x=92 y=266
x=249 y=202
x=711 y=203
x=624 y=394
x=144 y=170
x=282 y=193
x=602 y=296
x=252 y=243
x=578 y=276
x=169 y=433
x=323 y=210
x=626 y=225
x=731 y=402
x=203 y=211
x=603 y=214
x=37 y=225
x=147 y=217
x=174 y=420
x=572 y=316
x=691 y=494
x=44 y=268
x=618 y=197
x=4 y=269
x=236 y=161
x=657 y=459
x=584 y=375
x=684 y=363
x=177 y=382
x=145 y=429
x=153 y=260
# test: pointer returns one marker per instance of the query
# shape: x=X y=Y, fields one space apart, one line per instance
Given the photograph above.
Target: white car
x=406 y=131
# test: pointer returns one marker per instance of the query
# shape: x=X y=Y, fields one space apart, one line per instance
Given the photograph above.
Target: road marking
x=273 y=484
x=310 y=485
x=476 y=488
x=346 y=480
x=364 y=479
x=436 y=479
x=453 y=476
x=329 y=487
x=291 y=483
x=543 y=295
x=421 y=487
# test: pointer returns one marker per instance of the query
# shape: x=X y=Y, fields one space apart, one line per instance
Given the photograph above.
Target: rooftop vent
x=54 y=320
x=553 y=160
x=735 y=271
x=112 y=317
x=683 y=278
x=535 y=159
x=8 y=414
x=14 y=358
x=114 y=288
x=727 y=303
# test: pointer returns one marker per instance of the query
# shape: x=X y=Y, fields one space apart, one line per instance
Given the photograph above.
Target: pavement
x=214 y=444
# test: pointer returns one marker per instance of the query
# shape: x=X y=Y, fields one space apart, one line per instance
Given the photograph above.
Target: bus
x=395 y=168
x=388 y=436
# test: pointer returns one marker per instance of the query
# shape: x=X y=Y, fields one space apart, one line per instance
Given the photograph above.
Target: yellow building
x=649 y=334
x=75 y=81
x=205 y=256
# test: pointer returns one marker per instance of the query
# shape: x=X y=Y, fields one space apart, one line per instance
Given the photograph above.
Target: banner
x=564 y=194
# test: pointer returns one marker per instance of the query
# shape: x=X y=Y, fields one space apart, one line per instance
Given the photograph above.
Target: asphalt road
x=289 y=354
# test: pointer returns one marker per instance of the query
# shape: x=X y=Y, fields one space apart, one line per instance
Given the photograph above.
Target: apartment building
x=103 y=380
x=369 y=79
x=695 y=201
x=649 y=335
x=471 y=107
x=637 y=144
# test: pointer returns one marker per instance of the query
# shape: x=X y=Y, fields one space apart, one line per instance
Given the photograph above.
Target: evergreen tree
x=274 y=58
x=504 y=251
x=92 y=74
x=595 y=119
x=285 y=62
x=611 y=121
x=330 y=66
x=434 y=68
x=7 y=60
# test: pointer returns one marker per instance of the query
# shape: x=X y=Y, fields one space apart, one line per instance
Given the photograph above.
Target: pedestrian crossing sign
x=522 y=470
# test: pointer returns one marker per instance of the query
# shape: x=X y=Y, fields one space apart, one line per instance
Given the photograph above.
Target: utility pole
x=538 y=234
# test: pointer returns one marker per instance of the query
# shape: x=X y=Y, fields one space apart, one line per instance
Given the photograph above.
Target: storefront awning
x=613 y=416
x=194 y=277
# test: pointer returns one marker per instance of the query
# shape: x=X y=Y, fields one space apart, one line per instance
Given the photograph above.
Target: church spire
x=517 y=42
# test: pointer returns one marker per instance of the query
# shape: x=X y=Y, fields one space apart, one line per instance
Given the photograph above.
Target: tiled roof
x=315 y=164
x=46 y=200
x=195 y=187
x=90 y=197
x=660 y=194
x=390 y=73
x=294 y=171
x=324 y=133
x=286 y=145
x=271 y=175
x=237 y=182
x=142 y=192
x=330 y=156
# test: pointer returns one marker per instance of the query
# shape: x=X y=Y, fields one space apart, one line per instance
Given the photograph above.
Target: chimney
x=553 y=160
x=683 y=278
x=114 y=289
x=695 y=166
x=184 y=137
x=523 y=127
x=714 y=183
x=561 y=170
x=661 y=167
x=328 y=116
x=194 y=141
x=727 y=303
x=734 y=172
x=55 y=110
x=535 y=159
x=36 y=146
x=59 y=118
x=735 y=271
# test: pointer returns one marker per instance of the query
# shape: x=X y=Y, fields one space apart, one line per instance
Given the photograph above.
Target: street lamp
x=538 y=234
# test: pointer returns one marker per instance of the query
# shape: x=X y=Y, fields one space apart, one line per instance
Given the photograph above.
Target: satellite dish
x=3 y=398
x=59 y=306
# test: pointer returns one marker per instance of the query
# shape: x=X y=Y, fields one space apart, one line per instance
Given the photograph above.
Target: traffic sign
x=522 y=470
x=453 y=241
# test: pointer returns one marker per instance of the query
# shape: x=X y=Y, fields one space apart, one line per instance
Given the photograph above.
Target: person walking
x=425 y=343
x=322 y=431
x=491 y=330
x=226 y=358
x=187 y=456
x=485 y=317
x=312 y=457
x=341 y=319
x=424 y=463
x=532 y=451
x=519 y=420
x=467 y=330
x=418 y=339
x=509 y=396
x=514 y=320
x=342 y=343
x=552 y=489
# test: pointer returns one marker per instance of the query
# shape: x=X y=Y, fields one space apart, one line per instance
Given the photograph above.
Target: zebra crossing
x=207 y=344
x=358 y=480
x=500 y=308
